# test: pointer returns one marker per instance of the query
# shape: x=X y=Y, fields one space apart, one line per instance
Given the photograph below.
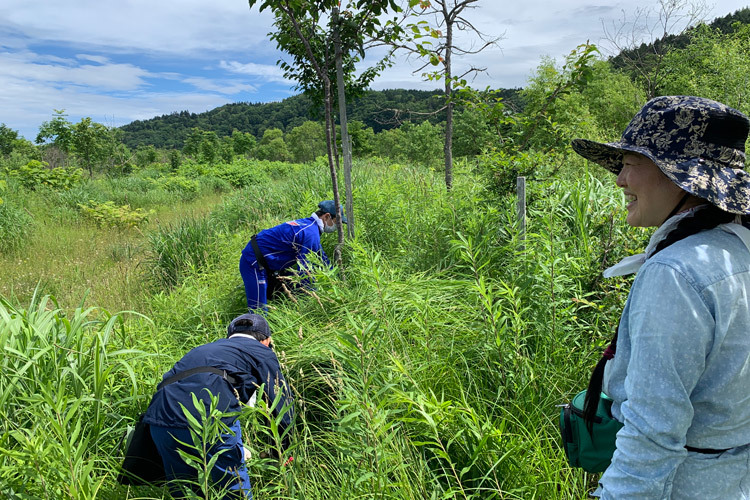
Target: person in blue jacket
x=231 y=369
x=281 y=248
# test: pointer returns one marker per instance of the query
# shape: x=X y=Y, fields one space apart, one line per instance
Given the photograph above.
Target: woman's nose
x=621 y=178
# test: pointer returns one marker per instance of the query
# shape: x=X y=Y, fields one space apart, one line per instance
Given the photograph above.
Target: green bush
x=186 y=189
x=36 y=174
x=240 y=173
x=15 y=227
x=180 y=249
x=110 y=215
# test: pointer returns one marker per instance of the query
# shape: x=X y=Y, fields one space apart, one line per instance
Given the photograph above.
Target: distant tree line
x=379 y=110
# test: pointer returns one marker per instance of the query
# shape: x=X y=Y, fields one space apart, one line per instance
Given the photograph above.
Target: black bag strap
x=258 y=254
x=198 y=369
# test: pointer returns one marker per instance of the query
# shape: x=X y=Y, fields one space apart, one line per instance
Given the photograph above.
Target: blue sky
x=119 y=61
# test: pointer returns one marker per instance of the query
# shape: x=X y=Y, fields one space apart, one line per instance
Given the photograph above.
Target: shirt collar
x=244 y=335
x=631 y=264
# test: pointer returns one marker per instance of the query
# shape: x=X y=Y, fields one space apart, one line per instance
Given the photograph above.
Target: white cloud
x=165 y=26
x=93 y=58
x=267 y=71
x=104 y=77
x=224 y=87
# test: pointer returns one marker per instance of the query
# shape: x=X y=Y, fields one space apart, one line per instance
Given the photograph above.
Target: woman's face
x=649 y=194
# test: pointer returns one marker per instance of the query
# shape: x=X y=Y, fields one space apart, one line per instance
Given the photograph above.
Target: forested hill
x=381 y=109
x=645 y=53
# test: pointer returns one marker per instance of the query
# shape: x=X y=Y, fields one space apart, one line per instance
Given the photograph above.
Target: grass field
x=428 y=367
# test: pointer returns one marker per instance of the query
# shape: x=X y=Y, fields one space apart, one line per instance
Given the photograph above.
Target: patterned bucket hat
x=696 y=142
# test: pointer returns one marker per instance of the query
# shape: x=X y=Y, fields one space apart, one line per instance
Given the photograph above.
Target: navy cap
x=329 y=207
x=249 y=323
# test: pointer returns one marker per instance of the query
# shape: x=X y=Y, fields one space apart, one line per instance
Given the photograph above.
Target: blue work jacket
x=245 y=359
x=288 y=243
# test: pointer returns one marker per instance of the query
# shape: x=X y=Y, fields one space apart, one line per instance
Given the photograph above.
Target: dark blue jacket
x=246 y=359
x=287 y=243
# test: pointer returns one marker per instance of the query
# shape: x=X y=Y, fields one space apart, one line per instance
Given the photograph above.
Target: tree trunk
x=346 y=145
x=448 y=149
x=332 y=166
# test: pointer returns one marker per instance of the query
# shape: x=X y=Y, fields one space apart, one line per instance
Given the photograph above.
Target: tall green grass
x=429 y=367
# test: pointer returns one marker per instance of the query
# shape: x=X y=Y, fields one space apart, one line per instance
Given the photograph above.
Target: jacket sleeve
x=669 y=329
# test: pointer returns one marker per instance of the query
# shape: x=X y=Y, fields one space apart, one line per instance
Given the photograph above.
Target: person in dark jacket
x=281 y=248
x=231 y=369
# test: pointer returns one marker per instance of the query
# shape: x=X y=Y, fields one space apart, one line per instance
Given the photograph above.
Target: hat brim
x=727 y=188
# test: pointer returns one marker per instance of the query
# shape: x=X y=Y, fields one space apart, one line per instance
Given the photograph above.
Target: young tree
x=243 y=142
x=641 y=41
x=307 y=141
x=57 y=132
x=309 y=32
x=90 y=142
x=448 y=16
x=8 y=137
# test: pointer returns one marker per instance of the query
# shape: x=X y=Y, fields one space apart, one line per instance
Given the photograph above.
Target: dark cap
x=329 y=207
x=249 y=323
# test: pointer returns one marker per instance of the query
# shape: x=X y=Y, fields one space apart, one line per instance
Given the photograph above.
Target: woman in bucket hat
x=678 y=369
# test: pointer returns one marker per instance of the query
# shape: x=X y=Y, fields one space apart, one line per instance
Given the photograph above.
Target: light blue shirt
x=681 y=375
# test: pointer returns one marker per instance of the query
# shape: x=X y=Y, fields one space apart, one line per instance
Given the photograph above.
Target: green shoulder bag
x=590 y=451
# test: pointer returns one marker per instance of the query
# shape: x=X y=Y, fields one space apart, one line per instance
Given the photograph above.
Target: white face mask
x=329 y=229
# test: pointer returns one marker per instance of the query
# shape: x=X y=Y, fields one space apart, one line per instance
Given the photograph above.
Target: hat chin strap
x=677 y=207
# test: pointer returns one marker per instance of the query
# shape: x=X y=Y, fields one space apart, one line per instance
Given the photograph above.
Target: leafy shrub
x=111 y=215
x=240 y=173
x=180 y=249
x=280 y=169
x=500 y=168
x=187 y=189
x=81 y=194
x=214 y=184
x=36 y=173
x=15 y=226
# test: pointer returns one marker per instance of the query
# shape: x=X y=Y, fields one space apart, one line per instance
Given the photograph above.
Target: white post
x=521 y=210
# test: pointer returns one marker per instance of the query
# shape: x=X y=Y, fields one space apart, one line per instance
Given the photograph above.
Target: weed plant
x=15 y=227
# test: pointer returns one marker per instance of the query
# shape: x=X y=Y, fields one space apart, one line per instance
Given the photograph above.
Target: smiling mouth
x=630 y=199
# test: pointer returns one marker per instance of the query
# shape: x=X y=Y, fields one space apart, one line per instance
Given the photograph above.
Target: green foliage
x=501 y=168
x=243 y=143
x=712 y=65
x=15 y=225
x=471 y=133
x=175 y=160
x=180 y=249
x=110 y=215
x=272 y=146
x=306 y=142
x=59 y=131
x=422 y=143
x=203 y=433
x=36 y=174
x=187 y=189
x=538 y=125
x=61 y=379
x=145 y=156
x=90 y=142
x=362 y=138
x=8 y=138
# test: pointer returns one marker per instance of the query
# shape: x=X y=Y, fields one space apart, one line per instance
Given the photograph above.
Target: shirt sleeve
x=670 y=329
x=307 y=241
